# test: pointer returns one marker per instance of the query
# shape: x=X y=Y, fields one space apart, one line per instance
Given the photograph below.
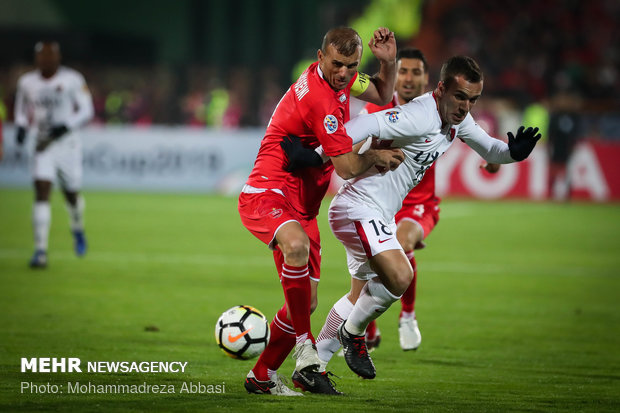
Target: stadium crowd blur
x=562 y=55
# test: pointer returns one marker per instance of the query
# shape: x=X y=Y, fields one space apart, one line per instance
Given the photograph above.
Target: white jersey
x=416 y=129
x=63 y=99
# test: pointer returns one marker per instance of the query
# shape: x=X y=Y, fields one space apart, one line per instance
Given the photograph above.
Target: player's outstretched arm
x=496 y=151
x=381 y=88
x=523 y=144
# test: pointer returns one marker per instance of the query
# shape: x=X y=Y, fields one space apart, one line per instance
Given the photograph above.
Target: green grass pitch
x=518 y=304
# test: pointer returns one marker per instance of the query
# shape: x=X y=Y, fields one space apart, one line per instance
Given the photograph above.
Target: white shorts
x=61 y=159
x=363 y=232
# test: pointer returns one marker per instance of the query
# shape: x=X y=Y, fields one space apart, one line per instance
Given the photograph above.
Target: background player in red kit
x=280 y=207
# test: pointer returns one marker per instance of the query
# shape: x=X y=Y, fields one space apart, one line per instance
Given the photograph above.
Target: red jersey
x=425 y=190
x=316 y=113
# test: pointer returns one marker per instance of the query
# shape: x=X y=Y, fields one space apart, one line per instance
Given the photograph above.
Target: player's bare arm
x=383 y=47
x=351 y=164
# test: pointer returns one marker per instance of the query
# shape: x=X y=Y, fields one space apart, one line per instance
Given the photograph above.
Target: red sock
x=408 y=298
x=281 y=343
x=371 y=330
x=296 y=284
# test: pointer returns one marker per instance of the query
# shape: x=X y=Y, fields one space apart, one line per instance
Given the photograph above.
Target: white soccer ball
x=242 y=332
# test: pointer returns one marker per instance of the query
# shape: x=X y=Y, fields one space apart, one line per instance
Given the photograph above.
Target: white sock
x=404 y=315
x=41 y=221
x=76 y=214
x=301 y=339
x=271 y=374
x=327 y=342
x=373 y=302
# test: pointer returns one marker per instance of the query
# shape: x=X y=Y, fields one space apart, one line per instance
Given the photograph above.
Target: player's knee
x=313 y=304
x=296 y=250
x=406 y=242
x=42 y=190
x=402 y=280
x=405 y=239
x=71 y=197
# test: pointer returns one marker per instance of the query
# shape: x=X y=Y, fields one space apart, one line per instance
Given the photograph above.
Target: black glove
x=298 y=155
x=20 y=137
x=522 y=145
x=57 y=131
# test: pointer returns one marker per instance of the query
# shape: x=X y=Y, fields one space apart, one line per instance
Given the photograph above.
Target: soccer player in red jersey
x=280 y=207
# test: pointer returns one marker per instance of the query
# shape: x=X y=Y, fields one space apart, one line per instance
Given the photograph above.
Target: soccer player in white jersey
x=362 y=214
x=53 y=102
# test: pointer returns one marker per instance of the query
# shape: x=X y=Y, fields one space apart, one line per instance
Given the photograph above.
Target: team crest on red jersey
x=331 y=123
x=392 y=116
x=275 y=213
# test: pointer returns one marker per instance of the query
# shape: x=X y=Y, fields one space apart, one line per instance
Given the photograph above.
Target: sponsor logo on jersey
x=342 y=98
x=392 y=116
x=331 y=123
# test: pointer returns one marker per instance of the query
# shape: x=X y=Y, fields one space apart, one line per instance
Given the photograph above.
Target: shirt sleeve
x=326 y=121
x=84 y=103
x=408 y=122
x=358 y=129
x=361 y=127
x=21 y=117
x=491 y=149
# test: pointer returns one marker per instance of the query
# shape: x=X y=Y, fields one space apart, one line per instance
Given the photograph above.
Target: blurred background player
x=54 y=101
x=420 y=211
x=563 y=134
x=280 y=207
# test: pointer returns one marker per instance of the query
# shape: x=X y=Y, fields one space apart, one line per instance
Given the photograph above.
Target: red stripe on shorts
x=360 y=232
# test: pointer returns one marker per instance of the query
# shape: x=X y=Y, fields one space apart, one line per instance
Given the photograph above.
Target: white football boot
x=409 y=334
x=306 y=356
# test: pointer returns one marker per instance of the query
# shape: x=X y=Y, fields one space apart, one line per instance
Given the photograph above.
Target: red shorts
x=264 y=213
x=426 y=215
